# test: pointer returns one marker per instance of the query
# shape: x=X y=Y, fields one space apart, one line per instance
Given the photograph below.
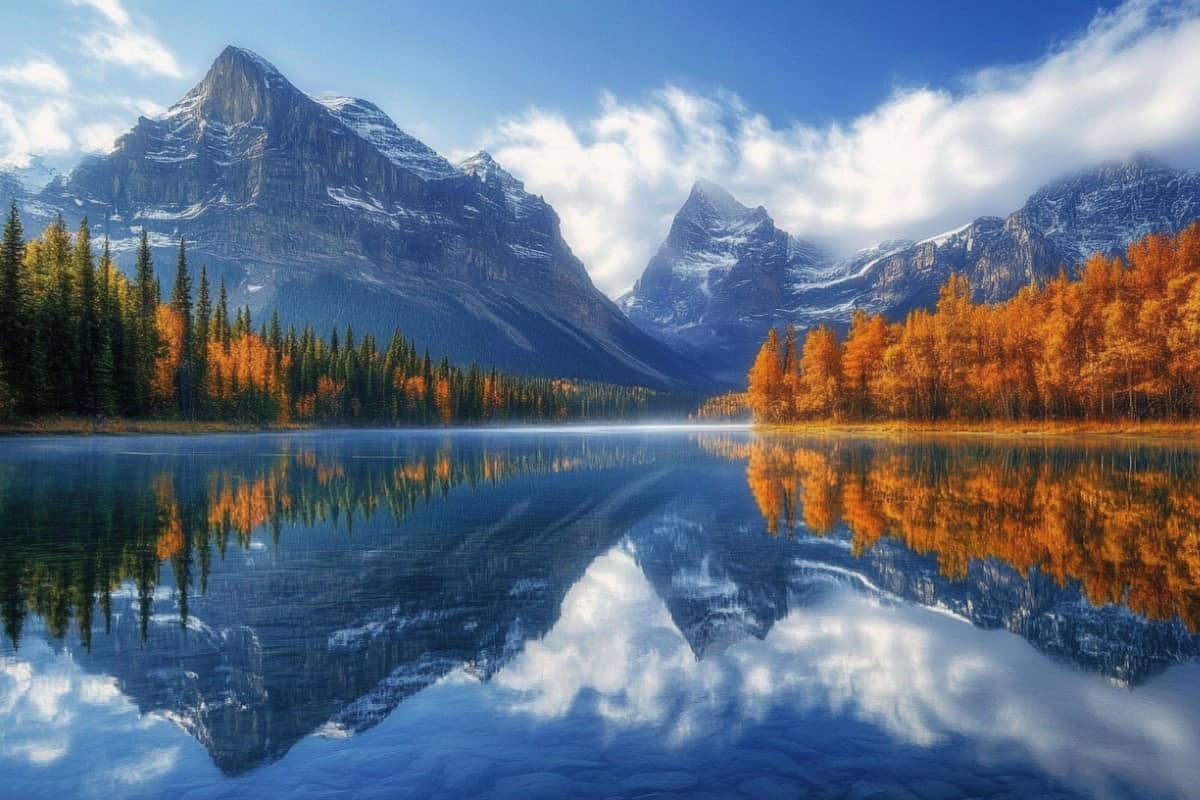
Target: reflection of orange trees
x=1125 y=525
x=170 y=536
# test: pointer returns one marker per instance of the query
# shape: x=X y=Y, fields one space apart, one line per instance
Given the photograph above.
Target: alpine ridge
x=325 y=210
x=723 y=277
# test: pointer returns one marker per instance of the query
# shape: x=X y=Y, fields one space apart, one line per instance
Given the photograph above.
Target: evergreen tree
x=145 y=341
x=181 y=304
x=204 y=314
x=221 y=327
x=87 y=321
x=59 y=350
x=15 y=309
x=109 y=349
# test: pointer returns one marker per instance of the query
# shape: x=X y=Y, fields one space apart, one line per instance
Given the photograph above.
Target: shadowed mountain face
x=258 y=590
x=323 y=209
x=725 y=274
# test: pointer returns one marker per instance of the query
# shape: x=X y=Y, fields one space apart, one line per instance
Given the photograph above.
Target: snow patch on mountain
x=368 y=121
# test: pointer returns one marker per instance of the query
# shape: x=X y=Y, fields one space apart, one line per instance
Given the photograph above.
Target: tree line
x=1120 y=341
x=79 y=338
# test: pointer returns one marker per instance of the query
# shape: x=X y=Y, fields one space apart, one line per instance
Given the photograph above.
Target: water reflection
x=549 y=614
x=1122 y=520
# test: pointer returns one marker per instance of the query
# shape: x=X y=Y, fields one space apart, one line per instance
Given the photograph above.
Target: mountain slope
x=721 y=272
x=327 y=211
x=1097 y=210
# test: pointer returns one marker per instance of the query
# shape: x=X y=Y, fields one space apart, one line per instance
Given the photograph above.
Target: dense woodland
x=1119 y=342
x=1124 y=522
x=79 y=338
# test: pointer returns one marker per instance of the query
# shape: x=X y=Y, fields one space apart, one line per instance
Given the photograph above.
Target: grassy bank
x=81 y=426
x=1025 y=428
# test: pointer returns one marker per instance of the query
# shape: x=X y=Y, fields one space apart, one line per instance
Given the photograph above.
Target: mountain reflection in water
x=257 y=590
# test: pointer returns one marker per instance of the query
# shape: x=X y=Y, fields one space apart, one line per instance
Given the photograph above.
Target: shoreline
x=78 y=426
x=1025 y=429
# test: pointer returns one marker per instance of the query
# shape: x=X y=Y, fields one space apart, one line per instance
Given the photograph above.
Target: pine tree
x=204 y=315
x=145 y=340
x=87 y=320
x=15 y=310
x=60 y=335
x=181 y=304
x=109 y=347
x=221 y=318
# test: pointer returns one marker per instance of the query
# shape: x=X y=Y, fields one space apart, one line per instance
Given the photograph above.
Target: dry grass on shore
x=1024 y=428
x=81 y=426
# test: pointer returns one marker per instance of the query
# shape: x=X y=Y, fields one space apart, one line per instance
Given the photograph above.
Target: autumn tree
x=768 y=387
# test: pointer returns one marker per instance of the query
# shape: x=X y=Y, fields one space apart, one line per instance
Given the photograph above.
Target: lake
x=598 y=612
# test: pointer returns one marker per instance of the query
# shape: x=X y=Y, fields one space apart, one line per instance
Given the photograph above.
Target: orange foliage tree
x=1120 y=342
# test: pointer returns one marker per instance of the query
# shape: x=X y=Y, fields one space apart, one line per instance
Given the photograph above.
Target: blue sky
x=850 y=122
x=447 y=69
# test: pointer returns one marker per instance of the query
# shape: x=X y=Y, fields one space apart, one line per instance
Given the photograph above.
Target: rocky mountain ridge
x=703 y=304
x=324 y=209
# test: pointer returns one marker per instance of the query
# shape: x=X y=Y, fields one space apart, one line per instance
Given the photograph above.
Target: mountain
x=324 y=209
x=1097 y=210
x=719 y=277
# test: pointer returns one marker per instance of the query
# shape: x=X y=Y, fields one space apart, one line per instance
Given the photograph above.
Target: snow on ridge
x=370 y=123
x=942 y=238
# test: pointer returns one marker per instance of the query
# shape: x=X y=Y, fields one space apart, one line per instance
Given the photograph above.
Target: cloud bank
x=926 y=159
x=46 y=111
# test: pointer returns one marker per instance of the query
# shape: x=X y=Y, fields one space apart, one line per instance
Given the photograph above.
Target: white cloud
x=926 y=159
x=39 y=74
x=46 y=112
x=111 y=9
x=924 y=676
x=134 y=49
x=38 y=128
x=127 y=42
x=98 y=137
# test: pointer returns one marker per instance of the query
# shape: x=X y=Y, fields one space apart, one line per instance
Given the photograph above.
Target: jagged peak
x=371 y=123
x=483 y=166
x=247 y=58
x=234 y=88
x=710 y=204
x=1141 y=165
x=339 y=103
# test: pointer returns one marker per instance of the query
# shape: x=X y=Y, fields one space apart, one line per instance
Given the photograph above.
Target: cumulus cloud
x=47 y=113
x=926 y=159
x=40 y=74
x=127 y=42
x=98 y=137
x=28 y=130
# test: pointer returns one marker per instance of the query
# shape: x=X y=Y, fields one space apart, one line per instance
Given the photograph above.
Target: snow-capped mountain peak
x=714 y=288
x=370 y=122
x=712 y=202
x=484 y=167
x=325 y=210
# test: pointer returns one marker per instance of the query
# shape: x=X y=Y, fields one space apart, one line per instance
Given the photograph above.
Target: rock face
x=683 y=295
x=721 y=278
x=324 y=209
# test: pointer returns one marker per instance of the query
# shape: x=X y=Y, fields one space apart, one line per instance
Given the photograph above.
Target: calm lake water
x=597 y=613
